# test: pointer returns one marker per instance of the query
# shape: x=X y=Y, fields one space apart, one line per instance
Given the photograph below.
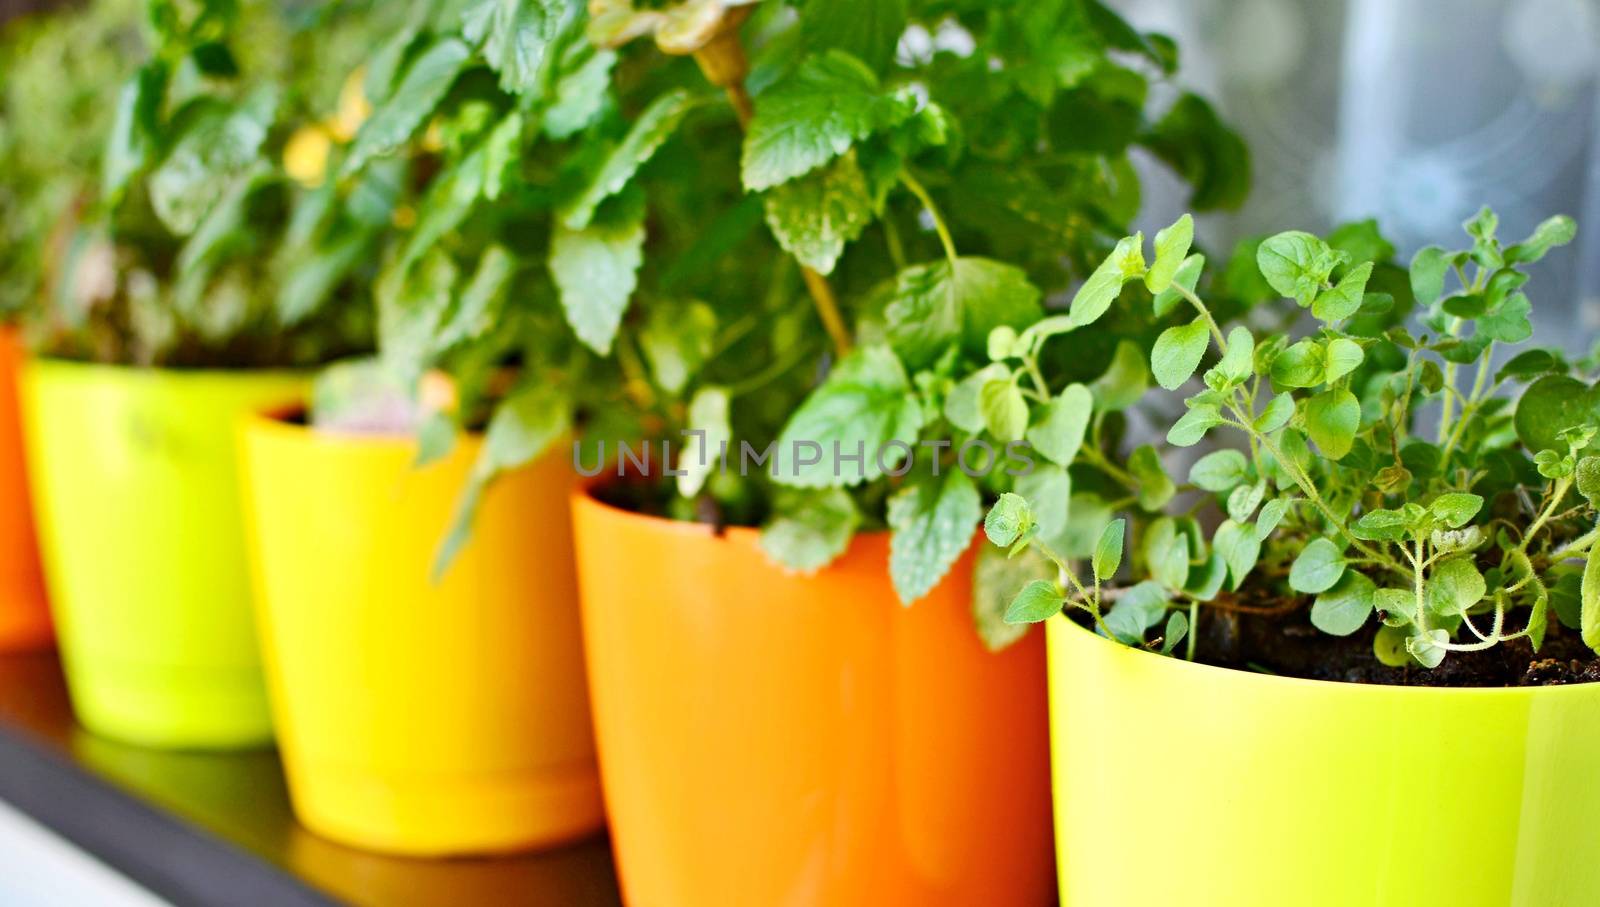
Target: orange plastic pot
x=414 y=716
x=774 y=739
x=24 y=616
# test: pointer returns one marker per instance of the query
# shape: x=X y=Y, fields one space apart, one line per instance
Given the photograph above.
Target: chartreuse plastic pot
x=24 y=617
x=135 y=480
x=1180 y=783
x=774 y=739
x=416 y=716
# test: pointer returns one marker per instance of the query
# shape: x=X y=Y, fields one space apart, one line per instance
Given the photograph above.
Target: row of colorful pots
x=762 y=738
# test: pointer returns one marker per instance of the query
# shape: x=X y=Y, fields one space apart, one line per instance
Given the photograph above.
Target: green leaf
x=1381 y=526
x=135 y=130
x=809 y=529
x=1344 y=609
x=1318 y=567
x=1137 y=610
x=1552 y=405
x=1296 y=264
x=676 y=340
x=1556 y=231
x=1238 y=361
x=813 y=115
x=216 y=147
x=1428 y=268
x=1104 y=285
x=1193 y=425
x=865 y=403
x=1332 y=419
x=1245 y=499
x=1210 y=157
x=1456 y=509
x=995 y=581
x=938 y=304
x=1509 y=321
x=580 y=90
x=616 y=169
x=1155 y=486
x=1343 y=357
x=1187 y=276
x=1005 y=412
x=1125 y=382
x=1344 y=300
x=1454 y=585
x=868 y=29
x=1396 y=606
x=513 y=35
x=1588 y=473
x=402 y=113
x=1108 y=551
x=1207 y=578
x=1219 y=470
x=1172 y=246
x=1271 y=514
x=932 y=520
x=1589 y=596
x=1177 y=629
x=410 y=319
x=813 y=217
x=1167 y=553
x=709 y=431
x=1177 y=353
x=1240 y=548
x=1039 y=600
x=1009 y=520
x=1048 y=489
x=963 y=406
x=1276 y=415
x=1428 y=649
x=1304 y=364
x=596 y=270
x=1058 y=432
x=1389 y=646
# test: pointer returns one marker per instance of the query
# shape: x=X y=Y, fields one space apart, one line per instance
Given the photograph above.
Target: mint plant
x=180 y=237
x=1332 y=500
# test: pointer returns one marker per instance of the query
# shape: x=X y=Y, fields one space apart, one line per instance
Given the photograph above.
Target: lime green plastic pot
x=134 y=478
x=1180 y=783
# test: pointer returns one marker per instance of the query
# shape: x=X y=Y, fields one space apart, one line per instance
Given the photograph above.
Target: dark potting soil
x=1287 y=644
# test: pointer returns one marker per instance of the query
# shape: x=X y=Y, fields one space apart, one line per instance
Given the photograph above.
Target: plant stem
x=939 y=227
x=1216 y=332
x=725 y=64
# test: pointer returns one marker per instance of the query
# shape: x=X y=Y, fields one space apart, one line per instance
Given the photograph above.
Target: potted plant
x=189 y=290
x=1348 y=661
x=449 y=451
x=58 y=73
x=729 y=231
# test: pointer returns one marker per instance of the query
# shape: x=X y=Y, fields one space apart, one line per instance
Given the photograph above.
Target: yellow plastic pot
x=1179 y=783
x=136 y=491
x=419 y=717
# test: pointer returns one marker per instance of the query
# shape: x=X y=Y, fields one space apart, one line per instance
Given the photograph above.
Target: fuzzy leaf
x=813 y=217
x=412 y=102
x=1318 y=567
x=932 y=520
x=1177 y=353
x=616 y=169
x=1059 y=431
x=865 y=403
x=596 y=269
x=809 y=529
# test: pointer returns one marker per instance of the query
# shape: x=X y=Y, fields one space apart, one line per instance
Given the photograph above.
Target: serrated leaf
x=412 y=102
x=580 y=90
x=830 y=102
x=932 y=520
x=595 y=270
x=614 y=171
x=813 y=217
x=865 y=403
x=1010 y=519
x=513 y=36
x=938 y=304
x=809 y=529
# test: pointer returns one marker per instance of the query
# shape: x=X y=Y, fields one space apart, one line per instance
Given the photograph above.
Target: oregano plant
x=1370 y=482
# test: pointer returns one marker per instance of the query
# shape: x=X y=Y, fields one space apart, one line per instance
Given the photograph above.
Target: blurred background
x=1415 y=112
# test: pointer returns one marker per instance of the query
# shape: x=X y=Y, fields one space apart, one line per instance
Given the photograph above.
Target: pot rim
x=584 y=496
x=274 y=420
x=1061 y=625
x=61 y=363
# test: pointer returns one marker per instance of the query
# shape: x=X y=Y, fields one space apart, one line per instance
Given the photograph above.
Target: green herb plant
x=1333 y=500
x=179 y=238
x=760 y=222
